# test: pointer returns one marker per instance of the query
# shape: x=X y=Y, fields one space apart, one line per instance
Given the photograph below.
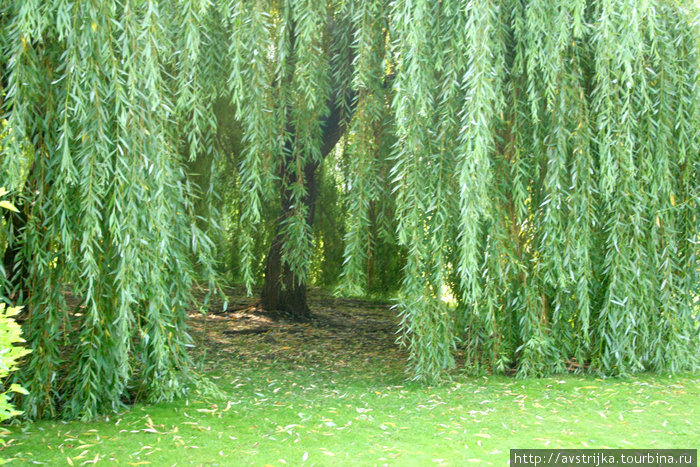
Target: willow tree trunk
x=282 y=290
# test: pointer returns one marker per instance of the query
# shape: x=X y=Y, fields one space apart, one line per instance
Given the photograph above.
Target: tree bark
x=282 y=290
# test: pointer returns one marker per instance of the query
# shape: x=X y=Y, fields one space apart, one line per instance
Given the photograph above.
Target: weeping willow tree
x=547 y=175
x=97 y=96
x=535 y=163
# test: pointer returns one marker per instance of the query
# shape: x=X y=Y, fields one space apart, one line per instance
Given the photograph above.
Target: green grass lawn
x=279 y=417
x=330 y=403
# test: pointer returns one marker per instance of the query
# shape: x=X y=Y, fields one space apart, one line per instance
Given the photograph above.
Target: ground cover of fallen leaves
x=342 y=332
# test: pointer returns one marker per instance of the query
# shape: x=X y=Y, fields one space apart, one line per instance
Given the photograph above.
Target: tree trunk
x=282 y=290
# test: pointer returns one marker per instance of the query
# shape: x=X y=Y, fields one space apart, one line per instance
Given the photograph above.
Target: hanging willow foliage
x=576 y=173
x=94 y=94
x=536 y=162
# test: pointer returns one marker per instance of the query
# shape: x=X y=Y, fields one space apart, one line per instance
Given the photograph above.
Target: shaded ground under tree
x=341 y=332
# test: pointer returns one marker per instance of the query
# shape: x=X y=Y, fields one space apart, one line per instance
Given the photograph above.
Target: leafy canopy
x=536 y=161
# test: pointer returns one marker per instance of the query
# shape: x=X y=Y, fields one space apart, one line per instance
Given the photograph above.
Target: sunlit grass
x=276 y=415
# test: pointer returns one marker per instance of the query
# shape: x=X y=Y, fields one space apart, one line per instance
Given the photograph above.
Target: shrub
x=10 y=352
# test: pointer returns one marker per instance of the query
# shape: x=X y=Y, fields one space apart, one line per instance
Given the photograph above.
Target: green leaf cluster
x=10 y=338
x=10 y=353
